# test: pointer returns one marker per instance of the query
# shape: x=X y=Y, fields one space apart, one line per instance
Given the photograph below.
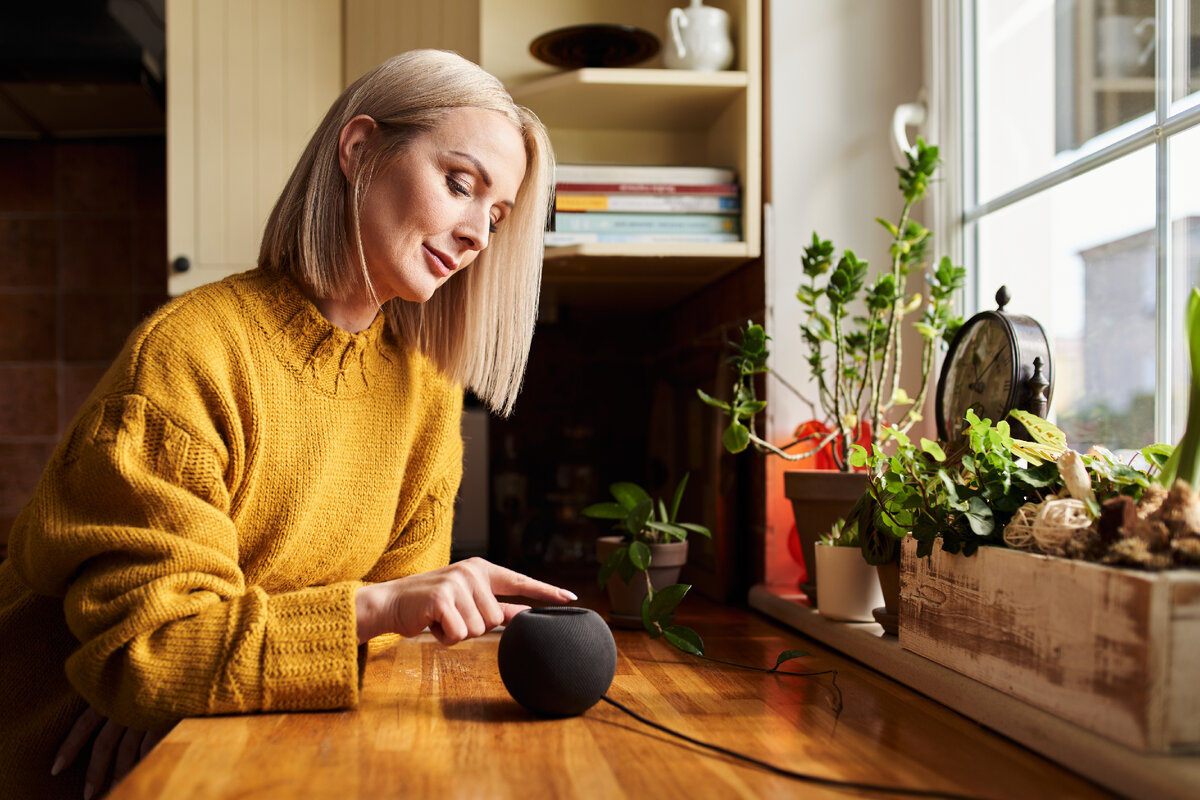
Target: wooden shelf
x=645 y=277
x=663 y=254
x=1107 y=763
x=632 y=99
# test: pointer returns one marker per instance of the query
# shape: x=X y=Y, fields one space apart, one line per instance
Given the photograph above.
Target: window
x=1075 y=125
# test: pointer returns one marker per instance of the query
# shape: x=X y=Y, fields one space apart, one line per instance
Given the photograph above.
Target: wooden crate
x=1116 y=651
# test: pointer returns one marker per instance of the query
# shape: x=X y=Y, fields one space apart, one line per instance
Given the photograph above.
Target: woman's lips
x=441 y=264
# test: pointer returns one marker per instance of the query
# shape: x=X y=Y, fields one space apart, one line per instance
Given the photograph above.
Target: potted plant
x=640 y=567
x=855 y=354
x=848 y=590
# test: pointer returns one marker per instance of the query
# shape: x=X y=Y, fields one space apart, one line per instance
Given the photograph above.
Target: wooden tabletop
x=437 y=722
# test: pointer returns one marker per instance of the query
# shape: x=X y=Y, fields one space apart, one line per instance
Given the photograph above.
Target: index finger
x=505 y=581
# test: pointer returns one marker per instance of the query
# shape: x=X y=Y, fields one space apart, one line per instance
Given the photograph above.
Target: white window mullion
x=1167 y=417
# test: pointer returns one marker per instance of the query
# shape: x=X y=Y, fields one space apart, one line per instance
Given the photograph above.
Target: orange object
x=823 y=458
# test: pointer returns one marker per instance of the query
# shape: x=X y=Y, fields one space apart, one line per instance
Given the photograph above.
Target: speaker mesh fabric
x=557 y=662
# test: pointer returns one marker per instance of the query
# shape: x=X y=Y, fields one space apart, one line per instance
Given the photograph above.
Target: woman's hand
x=114 y=752
x=456 y=602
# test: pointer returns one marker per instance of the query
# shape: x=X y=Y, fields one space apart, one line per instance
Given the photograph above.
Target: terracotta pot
x=625 y=599
x=849 y=590
x=819 y=499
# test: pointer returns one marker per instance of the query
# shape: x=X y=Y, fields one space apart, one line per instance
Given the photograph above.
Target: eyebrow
x=483 y=173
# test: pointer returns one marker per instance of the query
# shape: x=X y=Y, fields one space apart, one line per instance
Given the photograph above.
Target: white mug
x=698 y=38
x=1124 y=45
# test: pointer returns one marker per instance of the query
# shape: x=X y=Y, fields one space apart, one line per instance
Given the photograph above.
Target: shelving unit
x=644 y=115
x=651 y=116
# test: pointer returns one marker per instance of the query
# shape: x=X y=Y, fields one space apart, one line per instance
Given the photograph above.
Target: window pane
x=1015 y=94
x=1080 y=259
x=1187 y=48
x=1055 y=78
x=1184 y=206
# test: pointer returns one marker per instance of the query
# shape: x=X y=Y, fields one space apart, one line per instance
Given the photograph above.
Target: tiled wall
x=82 y=260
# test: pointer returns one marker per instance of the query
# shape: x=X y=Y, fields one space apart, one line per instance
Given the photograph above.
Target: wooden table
x=437 y=722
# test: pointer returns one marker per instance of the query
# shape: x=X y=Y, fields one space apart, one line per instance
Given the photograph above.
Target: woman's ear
x=351 y=142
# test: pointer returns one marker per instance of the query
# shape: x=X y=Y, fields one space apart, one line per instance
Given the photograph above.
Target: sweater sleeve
x=131 y=525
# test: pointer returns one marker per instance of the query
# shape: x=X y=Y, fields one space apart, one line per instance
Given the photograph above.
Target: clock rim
x=1014 y=349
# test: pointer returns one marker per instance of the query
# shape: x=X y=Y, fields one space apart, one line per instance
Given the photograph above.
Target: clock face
x=979 y=375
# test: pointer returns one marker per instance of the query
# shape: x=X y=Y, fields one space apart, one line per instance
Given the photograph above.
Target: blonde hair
x=477 y=327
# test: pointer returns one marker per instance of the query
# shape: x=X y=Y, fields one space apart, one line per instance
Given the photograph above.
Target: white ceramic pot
x=698 y=38
x=847 y=586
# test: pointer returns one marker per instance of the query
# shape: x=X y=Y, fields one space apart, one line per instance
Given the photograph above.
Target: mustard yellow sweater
x=195 y=543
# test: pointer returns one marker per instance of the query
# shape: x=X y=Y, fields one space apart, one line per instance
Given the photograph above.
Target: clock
x=997 y=362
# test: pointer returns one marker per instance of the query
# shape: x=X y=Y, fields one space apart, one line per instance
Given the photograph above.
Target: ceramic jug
x=698 y=38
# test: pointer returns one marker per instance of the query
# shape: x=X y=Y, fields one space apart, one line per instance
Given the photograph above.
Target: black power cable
x=787 y=773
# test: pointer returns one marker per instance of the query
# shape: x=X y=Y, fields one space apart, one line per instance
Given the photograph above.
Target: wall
x=837 y=71
x=82 y=259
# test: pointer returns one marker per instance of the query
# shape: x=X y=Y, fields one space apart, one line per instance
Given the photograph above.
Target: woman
x=264 y=479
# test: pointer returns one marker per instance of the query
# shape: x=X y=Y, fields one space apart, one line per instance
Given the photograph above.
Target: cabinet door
x=247 y=83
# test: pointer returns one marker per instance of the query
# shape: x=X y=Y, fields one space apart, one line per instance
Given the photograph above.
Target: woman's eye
x=457 y=187
x=492 y=226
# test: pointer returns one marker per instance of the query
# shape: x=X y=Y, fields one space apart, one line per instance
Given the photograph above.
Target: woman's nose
x=474 y=230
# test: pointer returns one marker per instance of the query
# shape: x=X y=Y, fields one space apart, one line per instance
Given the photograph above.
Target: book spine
x=563 y=238
x=652 y=203
x=615 y=173
x=722 y=189
x=647 y=223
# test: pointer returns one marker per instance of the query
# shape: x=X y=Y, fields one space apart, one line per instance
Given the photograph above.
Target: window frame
x=951 y=80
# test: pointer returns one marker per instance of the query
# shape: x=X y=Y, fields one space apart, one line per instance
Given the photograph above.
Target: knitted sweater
x=196 y=540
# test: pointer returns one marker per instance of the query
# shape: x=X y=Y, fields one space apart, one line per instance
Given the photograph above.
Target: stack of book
x=617 y=203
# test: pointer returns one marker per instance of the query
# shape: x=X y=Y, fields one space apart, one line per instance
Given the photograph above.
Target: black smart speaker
x=557 y=662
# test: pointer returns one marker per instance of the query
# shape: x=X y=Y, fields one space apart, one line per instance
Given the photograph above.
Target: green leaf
x=754 y=338
x=1157 y=454
x=928 y=332
x=1043 y=432
x=662 y=511
x=629 y=495
x=891 y=228
x=695 y=528
x=610 y=565
x=980 y=517
x=933 y=448
x=1184 y=461
x=684 y=639
x=604 y=511
x=788 y=655
x=749 y=409
x=637 y=517
x=858 y=455
x=736 y=437
x=678 y=496
x=626 y=569
x=639 y=555
x=669 y=528
x=666 y=600
x=712 y=401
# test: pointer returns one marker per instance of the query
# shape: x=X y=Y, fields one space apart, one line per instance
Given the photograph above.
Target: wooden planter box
x=1116 y=651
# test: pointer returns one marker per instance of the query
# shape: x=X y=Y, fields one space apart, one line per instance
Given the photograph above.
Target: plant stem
x=839 y=452
x=876 y=406
x=914 y=412
x=650 y=594
x=762 y=444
